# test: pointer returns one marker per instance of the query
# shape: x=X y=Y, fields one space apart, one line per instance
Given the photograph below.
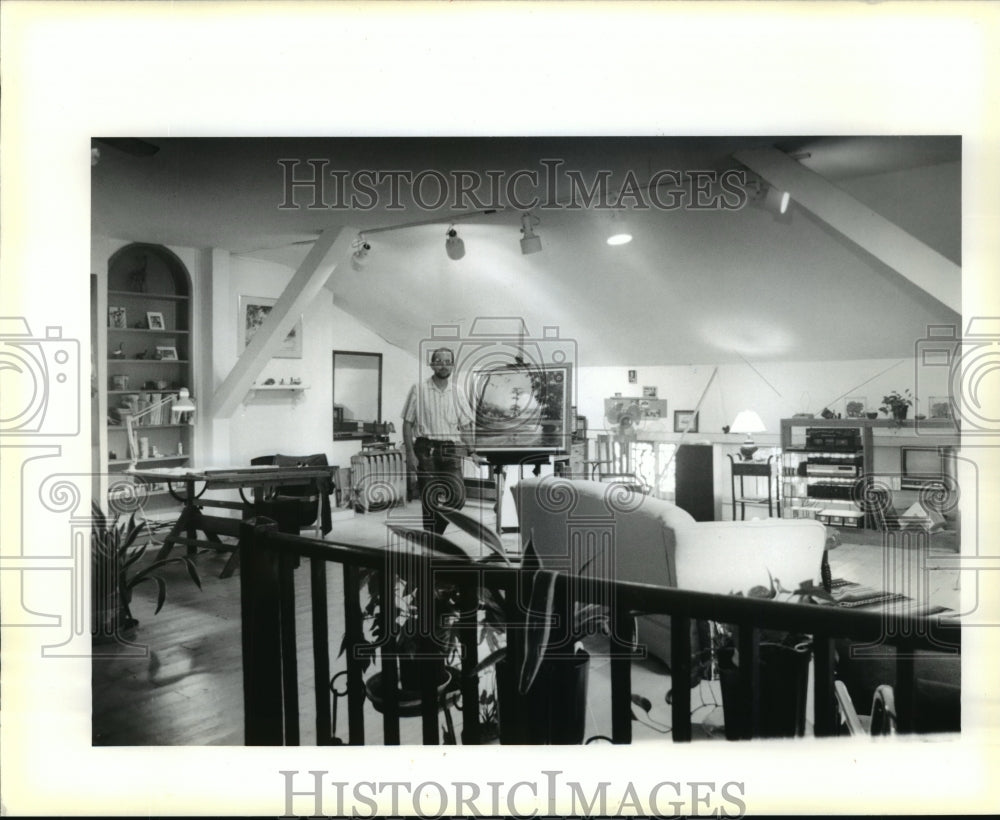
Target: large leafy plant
x=114 y=573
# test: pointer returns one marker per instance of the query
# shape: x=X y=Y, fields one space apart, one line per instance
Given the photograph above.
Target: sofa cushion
x=729 y=557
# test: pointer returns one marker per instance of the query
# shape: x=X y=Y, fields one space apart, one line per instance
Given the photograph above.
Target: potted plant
x=425 y=636
x=783 y=671
x=113 y=573
x=897 y=404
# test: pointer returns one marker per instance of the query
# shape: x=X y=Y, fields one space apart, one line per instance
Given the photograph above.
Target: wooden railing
x=268 y=561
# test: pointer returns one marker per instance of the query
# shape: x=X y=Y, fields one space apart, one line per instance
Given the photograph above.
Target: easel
x=498 y=461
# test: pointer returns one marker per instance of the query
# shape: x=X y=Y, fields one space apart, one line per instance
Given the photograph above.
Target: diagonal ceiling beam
x=332 y=248
x=885 y=240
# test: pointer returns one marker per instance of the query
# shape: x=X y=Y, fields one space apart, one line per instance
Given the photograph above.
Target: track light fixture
x=359 y=259
x=770 y=198
x=454 y=245
x=530 y=241
x=618 y=233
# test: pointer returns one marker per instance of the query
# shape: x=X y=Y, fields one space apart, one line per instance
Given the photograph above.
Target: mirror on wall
x=357 y=394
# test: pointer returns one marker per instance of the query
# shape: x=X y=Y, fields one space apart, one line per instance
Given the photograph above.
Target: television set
x=920 y=466
x=522 y=408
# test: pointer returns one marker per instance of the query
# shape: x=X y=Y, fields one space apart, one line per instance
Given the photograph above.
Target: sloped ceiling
x=694 y=286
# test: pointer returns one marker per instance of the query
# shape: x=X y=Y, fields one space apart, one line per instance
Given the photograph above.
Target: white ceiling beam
x=331 y=249
x=901 y=251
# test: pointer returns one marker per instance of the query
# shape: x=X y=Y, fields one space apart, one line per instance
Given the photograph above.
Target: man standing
x=433 y=440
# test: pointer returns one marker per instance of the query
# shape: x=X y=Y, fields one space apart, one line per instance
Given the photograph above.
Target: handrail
x=270 y=660
x=915 y=631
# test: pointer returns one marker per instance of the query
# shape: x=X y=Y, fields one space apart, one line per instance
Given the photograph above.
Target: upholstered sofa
x=610 y=531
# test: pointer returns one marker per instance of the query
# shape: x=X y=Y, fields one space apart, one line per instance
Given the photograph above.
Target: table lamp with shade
x=748 y=422
x=179 y=404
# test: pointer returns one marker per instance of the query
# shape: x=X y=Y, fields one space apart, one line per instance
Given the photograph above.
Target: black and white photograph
x=402 y=468
x=508 y=372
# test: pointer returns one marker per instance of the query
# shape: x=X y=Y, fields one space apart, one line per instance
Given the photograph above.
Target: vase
x=784 y=676
x=412 y=671
x=554 y=709
x=899 y=411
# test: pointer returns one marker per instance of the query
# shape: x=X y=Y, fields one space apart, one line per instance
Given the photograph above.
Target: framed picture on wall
x=253 y=311
x=685 y=420
x=649 y=391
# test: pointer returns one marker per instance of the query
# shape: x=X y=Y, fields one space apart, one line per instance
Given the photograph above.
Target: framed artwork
x=649 y=392
x=253 y=311
x=685 y=420
x=155 y=321
x=166 y=354
x=633 y=377
x=117 y=317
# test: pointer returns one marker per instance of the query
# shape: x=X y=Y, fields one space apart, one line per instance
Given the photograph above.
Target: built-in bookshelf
x=148 y=326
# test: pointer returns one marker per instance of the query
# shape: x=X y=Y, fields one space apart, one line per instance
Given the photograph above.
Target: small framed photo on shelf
x=166 y=353
x=685 y=421
x=117 y=317
x=154 y=320
x=939 y=407
x=855 y=407
x=649 y=391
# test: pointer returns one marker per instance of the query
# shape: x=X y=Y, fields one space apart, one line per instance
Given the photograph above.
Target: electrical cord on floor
x=646 y=706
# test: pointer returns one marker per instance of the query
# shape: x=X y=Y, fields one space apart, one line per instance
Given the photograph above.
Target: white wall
x=277 y=421
x=774 y=390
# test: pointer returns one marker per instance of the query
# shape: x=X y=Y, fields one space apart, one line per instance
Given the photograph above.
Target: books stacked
x=160 y=414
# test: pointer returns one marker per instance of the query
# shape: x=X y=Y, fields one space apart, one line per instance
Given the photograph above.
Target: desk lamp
x=182 y=403
x=747 y=421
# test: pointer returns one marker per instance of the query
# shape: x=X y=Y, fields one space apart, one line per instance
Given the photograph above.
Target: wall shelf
x=151 y=460
x=166 y=297
x=163 y=332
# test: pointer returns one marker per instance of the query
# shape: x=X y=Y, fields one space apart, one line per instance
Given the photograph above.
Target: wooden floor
x=181 y=684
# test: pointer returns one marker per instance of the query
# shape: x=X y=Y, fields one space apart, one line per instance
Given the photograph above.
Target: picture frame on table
x=685 y=420
x=253 y=311
x=649 y=391
x=154 y=320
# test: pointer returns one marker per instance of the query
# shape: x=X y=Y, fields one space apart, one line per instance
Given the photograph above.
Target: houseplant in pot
x=896 y=404
x=784 y=672
x=424 y=636
x=114 y=559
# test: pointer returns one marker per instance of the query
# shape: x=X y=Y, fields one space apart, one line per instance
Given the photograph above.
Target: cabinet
x=694 y=487
x=824 y=467
x=149 y=352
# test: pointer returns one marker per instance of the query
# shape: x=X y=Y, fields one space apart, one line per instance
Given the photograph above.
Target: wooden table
x=260 y=479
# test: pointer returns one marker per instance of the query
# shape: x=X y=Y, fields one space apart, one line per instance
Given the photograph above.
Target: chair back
x=313 y=495
x=599 y=530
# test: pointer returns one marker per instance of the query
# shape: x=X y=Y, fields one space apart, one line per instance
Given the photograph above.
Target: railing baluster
x=289 y=651
x=906 y=689
x=824 y=699
x=352 y=639
x=622 y=628
x=390 y=676
x=321 y=649
x=748 y=645
x=469 y=684
x=429 y=669
x=680 y=677
x=261 y=638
